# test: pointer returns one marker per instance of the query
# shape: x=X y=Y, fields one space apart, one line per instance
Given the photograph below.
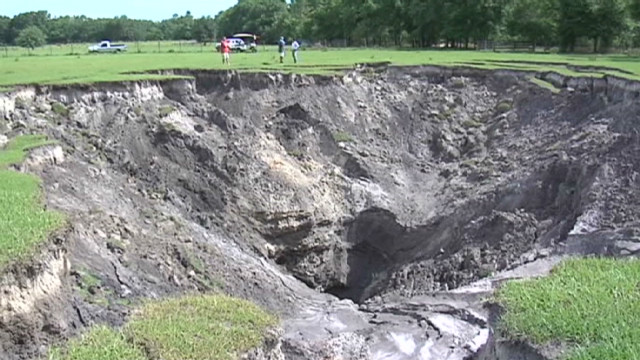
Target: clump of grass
x=457 y=84
x=545 y=85
x=59 y=109
x=16 y=150
x=503 y=107
x=589 y=303
x=24 y=223
x=169 y=126
x=164 y=111
x=342 y=137
x=212 y=327
x=20 y=103
x=90 y=280
x=199 y=327
x=191 y=261
x=471 y=124
x=100 y=343
x=296 y=153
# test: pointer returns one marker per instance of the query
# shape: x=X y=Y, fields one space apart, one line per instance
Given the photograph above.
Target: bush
x=472 y=124
x=503 y=107
x=164 y=111
x=59 y=109
x=342 y=137
x=31 y=37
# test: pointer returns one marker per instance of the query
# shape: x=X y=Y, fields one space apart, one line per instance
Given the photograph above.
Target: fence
x=132 y=47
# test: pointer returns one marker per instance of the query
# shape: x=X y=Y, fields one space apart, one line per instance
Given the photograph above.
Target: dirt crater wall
x=402 y=183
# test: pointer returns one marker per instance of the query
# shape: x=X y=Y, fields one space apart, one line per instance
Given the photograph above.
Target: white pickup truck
x=107 y=46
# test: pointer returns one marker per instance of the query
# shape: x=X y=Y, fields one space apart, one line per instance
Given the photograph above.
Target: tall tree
x=532 y=20
x=5 y=29
x=31 y=37
x=22 y=21
x=609 y=21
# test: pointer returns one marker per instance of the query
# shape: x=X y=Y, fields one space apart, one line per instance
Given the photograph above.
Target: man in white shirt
x=295 y=46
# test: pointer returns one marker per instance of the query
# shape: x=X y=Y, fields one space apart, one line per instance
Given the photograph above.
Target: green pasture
x=196 y=327
x=592 y=306
x=91 y=68
x=24 y=223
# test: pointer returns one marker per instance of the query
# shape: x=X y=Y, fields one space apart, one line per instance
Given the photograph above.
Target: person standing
x=225 y=48
x=281 y=45
x=295 y=46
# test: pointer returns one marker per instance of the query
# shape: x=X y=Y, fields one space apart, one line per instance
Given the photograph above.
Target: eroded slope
x=396 y=184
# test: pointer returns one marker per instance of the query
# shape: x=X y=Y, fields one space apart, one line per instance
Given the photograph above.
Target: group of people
x=295 y=46
x=225 y=49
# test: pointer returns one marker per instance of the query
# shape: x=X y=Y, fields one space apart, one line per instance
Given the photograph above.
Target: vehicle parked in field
x=250 y=39
x=107 y=46
x=235 y=44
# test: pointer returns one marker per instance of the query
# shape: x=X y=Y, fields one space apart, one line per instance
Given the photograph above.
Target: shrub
x=342 y=137
x=503 y=107
x=164 y=111
x=59 y=109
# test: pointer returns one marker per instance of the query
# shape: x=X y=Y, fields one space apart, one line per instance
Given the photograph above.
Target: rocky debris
x=271 y=348
x=413 y=184
x=35 y=306
x=41 y=156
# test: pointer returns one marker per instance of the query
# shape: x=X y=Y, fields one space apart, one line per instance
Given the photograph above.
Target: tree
x=204 y=29
x=610 y=20
x=574 y=18
x=531 y=20
x=262 y=17
x=4 y=29
x=31 y=37
x=25 y=20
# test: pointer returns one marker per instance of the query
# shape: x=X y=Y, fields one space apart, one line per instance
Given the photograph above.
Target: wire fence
x=141 y=47
x=168 y=47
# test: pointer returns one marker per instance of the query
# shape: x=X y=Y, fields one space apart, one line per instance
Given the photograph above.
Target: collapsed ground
x=371 y=187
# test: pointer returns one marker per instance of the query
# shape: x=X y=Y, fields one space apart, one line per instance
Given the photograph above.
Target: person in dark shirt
x=281 y=46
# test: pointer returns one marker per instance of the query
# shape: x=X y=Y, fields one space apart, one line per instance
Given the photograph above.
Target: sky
x=135 y=9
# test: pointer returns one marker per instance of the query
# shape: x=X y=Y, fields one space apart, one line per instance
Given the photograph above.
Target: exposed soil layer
x=389 y=188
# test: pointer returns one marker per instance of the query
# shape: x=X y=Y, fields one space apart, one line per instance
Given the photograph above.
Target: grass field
x=133 y=47
x=201 y=327
x=90 y=68
x=592 y=305
x=24 y=224
x=100 y=343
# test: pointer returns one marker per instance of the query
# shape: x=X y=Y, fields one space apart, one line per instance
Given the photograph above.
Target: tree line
x=38 y=27
x=451 y=23
x=567 y=24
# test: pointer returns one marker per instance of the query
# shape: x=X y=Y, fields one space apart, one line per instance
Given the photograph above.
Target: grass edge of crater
x=25 y=224
x=92 y=69
x=588 y=304
x=211 y=327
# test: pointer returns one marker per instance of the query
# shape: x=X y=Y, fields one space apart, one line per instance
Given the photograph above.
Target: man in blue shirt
x=281 y=45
